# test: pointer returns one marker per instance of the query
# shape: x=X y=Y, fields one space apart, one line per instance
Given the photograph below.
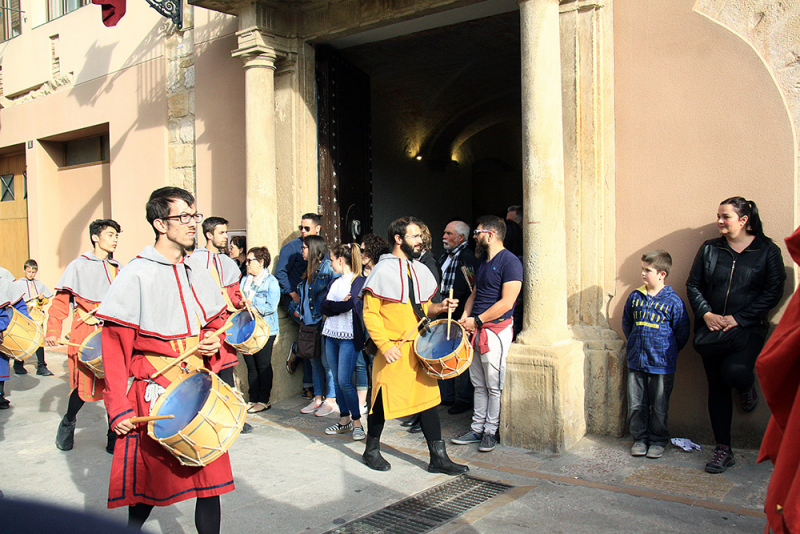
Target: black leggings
x=428 y=420
x=74 y=405
x=726 y=370
x=207 y=515
x=259 y=373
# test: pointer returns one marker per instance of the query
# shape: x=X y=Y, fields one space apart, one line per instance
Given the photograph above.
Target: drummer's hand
x=346 y=298
x=295 y=296
x=392 y=354
x=468 y=323
x=209 y=345
x=437 y=308
x=51 y=341
x=123 y=427
x=246 y=303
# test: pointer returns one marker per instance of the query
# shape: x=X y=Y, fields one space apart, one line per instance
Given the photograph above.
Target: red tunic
x=778 y=369
x=227 y=355
x=90 y=388
x=142 y=470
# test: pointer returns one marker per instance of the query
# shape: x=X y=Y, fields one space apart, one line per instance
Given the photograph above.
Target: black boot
x=411 y=421
x=19 y=368
x=372 y=455
x=41 y=366
x=4 y=404
x=65 y=437
x=441 y=463
x=111 y=441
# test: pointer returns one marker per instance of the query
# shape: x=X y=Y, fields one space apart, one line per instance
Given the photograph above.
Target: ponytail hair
x=747 y=208
x=351 y=254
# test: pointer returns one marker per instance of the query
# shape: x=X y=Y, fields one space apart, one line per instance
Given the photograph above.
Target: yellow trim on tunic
x=407 y=388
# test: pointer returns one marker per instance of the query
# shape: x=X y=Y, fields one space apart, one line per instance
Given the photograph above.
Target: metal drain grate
x=428 y=510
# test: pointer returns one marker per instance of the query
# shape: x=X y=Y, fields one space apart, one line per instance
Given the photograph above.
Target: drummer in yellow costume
x=396 y=297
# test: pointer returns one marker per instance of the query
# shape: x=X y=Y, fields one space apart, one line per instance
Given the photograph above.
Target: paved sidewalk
x=291 y=477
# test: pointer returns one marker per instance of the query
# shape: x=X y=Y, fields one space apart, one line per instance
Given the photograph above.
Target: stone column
x=261 y=175
x=543 y=399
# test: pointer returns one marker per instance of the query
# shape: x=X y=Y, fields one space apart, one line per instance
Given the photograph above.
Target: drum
x=248 y=334
x=92 y=355
x=22 y=337
x=209 y=415
x=443 y=358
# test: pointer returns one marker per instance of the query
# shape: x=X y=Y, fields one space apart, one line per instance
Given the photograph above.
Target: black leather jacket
x=746 y=285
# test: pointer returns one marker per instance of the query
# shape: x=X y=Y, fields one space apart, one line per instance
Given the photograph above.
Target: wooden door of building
x=13 y=213
x=344 y=140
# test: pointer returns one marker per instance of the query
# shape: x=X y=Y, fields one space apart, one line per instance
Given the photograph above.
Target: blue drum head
x=434 y=345
x=95 y=342
x=242 y=329
x=184 y=402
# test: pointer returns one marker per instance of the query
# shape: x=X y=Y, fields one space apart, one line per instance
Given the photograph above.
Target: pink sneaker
x=326 y=409
x=312 y=407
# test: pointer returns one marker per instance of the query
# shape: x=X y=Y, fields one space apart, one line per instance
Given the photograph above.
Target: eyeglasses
x=306 y=228
x=184 y=218
x=414 y=237
x=251 y=259
x=478 y=232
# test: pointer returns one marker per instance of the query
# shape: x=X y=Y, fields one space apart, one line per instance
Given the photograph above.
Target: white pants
x=487 y=373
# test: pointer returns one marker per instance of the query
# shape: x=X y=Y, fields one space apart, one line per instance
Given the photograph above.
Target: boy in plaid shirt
x=656 y=325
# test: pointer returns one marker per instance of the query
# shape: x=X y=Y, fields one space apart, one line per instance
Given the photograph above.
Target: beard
x=409 y=250
x=480 y=250
x=447 y=246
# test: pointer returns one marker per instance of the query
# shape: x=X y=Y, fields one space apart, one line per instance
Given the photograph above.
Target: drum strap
x=218 y=280
x=416 y=306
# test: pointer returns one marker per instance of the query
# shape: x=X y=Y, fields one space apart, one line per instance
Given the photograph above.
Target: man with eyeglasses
x=488 y=316
x=226 y=274
x=82 y=287
x=157 y=308
x=397 y=296
x=289 y=270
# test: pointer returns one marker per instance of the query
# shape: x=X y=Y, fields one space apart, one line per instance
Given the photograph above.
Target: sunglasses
x=478 y=232
x=306 y=228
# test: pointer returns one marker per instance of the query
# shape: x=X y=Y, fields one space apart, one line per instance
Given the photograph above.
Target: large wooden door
x=13 y=213
x=345 y=166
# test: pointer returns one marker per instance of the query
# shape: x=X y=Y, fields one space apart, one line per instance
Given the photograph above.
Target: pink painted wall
x=698 y=119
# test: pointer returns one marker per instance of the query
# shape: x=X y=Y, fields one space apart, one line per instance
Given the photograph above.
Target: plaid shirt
x=449 y=274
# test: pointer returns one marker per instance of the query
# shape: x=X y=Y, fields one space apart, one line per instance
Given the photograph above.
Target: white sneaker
x=325 y=409
x=312 y=407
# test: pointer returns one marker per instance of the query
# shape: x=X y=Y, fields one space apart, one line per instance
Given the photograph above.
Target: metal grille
x=427 y=510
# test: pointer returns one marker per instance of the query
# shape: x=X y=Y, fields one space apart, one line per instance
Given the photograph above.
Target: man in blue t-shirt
x=488 y=313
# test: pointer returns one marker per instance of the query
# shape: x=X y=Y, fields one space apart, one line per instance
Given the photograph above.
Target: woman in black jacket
x=736 y=279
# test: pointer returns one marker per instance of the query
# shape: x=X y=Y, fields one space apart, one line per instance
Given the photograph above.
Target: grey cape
x=10 y=293
x=227 y=268
x=388 y=280
x=32 y=289
x=88 y=277
x=162 y=299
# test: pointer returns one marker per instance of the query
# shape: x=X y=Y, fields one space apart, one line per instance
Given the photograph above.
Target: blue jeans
x=648 y=404
x=342 y=356
x=362 y=380
x=322 y=375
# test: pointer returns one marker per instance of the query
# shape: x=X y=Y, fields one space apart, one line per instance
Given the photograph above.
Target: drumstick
x=449 y=314
x=249 y=310
x=83 y=317
x=62 y=342
x=410 y=332
x=188 y=353
x=148 y=418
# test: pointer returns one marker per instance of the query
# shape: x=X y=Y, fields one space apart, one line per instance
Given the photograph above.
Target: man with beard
x=397 y=295
x=157 y=308
x=458 y=264
x=488 y=316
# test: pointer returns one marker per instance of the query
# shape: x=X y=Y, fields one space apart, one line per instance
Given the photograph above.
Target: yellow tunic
x=405 y=387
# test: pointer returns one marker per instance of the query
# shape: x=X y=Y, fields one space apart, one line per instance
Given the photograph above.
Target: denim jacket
x=314 y=294
x=266 y=293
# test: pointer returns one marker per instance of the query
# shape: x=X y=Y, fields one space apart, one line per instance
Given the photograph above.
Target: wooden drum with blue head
x=208 y=416
x=91 y=354
x=249 y=333
x=442 y=357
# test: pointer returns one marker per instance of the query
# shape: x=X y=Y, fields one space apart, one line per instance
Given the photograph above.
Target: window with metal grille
x=58 y=8
x=12 y=19
x=6 y=187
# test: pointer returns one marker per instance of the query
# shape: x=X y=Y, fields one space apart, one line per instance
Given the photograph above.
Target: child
x=36 y=295
x=10 y=297
x=656 y=325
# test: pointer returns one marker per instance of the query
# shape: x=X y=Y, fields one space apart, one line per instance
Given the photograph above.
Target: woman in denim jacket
x=262 y=293
x=312 y=290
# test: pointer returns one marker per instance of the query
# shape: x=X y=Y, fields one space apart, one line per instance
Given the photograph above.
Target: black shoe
x=441 y=463
x=19 y=368
x=447 y=403
x=372 y=455
x=247 y=428
x=42 y=370
x=459 y=407
x=111 y=442
x=416 y=428
x=292 y=361
x=4 y=404
x=411 y=421
x=65 y=437
x=308 y=393
x=722 y=459
x=749 y=399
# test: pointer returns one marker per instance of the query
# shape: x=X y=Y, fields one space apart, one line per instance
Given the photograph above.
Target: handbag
x=309 y=342
x=734 y=339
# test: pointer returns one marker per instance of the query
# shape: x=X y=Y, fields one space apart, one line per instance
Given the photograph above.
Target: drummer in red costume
x=157 y=308
x=79 y=291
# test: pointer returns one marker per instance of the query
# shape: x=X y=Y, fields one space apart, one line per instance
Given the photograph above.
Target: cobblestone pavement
x=291 y=477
